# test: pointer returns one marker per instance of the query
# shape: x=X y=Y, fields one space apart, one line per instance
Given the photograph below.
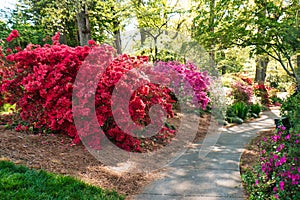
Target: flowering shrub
x=241 y=92
x=247 y=80
x=278 y=174
x=261 y=90
x=140 y=102
x=39 y=80
x=199 y=81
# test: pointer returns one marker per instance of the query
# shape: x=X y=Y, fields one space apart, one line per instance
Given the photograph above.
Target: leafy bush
x=238 y=109
x=255 y=108
x=241 y=92
x=277 y=176
x=291 y=109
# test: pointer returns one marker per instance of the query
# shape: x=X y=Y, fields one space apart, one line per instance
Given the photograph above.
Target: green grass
x=19 y=182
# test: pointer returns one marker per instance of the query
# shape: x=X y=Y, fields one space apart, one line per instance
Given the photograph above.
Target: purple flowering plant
x=277 y=176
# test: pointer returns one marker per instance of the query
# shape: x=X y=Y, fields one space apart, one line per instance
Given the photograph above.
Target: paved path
x=217 y=176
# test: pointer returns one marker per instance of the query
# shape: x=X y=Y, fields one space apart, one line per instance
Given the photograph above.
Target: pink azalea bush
x=241 y=92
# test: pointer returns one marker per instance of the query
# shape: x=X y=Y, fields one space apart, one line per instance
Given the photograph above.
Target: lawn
x=19 y=182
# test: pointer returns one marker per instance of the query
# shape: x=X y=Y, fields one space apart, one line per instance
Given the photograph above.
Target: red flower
x=55 y=38
x=14 y=34
x=91 y=42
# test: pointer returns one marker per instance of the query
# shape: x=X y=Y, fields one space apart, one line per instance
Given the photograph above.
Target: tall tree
x=211 y=16
x=157 y=17
x=275 y=32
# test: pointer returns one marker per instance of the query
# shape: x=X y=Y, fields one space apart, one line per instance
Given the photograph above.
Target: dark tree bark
x=261 y=69
x=117 y=35
x=84 y=29
x=143 y=36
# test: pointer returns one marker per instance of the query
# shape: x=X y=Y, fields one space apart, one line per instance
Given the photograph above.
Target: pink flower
x=288 y=137
x=280 y=147
x=282 y=160
x=281 y=185
x=55 y=38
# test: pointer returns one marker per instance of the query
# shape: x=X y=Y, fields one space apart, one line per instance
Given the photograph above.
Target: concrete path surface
x=214 y=177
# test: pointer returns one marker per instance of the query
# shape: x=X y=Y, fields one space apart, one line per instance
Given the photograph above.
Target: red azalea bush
x=140 y=103
x=261 y=90
x=40 y=81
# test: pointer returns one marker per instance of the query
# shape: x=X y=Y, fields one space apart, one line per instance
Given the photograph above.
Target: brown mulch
x=53 y=153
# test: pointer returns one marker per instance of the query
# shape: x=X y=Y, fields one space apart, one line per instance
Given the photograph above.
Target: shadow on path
x=215 y=176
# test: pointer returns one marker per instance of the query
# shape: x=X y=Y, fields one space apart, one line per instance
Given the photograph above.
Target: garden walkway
x=217 y=176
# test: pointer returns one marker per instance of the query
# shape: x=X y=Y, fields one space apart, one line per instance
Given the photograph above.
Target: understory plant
x=238 y=109
x=255 y=108
x=291 y=109
x=261 y=90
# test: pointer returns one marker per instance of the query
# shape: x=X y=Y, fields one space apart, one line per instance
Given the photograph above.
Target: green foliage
x=291 y=109
x=238 y=109
x=255 y=108
x=231 y=60
x=7 y=108
x=19 y=182
x=4 y=31
x=234 y=120
x=162 y=55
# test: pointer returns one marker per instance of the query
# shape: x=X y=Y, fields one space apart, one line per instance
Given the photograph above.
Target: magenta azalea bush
x=198 y=81
x=277 y=176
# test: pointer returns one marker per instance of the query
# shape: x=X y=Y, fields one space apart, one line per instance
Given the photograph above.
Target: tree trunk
x=261 y=68
x=63 y=38
x=84 y=29
x=143 y=36
x=117 y=35
x=212 y=30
